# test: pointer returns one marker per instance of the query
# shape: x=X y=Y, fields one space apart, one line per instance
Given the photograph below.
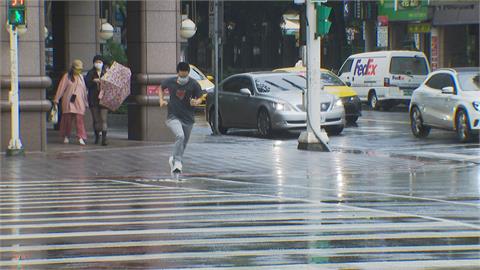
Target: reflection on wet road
x=104 y=224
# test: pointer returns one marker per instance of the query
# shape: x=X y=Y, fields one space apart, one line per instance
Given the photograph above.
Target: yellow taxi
x=204 y=81
x=333 y=85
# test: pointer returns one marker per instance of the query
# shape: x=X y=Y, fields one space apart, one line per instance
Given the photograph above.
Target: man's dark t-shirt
x=179 y=105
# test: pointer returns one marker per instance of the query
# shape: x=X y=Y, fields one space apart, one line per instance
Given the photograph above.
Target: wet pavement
x=383 y=199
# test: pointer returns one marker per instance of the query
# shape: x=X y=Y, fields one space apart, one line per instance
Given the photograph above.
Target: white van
x=385 y=78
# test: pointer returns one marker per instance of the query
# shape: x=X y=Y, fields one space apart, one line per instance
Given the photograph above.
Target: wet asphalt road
x=382 y=200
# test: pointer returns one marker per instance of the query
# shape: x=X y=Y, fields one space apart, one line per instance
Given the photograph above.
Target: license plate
x=407 y=92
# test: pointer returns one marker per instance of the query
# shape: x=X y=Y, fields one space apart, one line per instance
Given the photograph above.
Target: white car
x=448 y=99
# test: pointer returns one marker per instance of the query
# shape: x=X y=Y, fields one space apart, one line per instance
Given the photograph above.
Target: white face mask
x=98 y=66
x=182 y=80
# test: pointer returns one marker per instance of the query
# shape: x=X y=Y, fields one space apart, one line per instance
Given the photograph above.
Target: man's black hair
x=183 y=66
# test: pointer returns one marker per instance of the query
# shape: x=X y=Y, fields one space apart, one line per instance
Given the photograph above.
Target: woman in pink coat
x=73 y=92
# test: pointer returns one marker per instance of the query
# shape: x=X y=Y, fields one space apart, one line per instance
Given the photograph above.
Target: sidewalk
x=206 y=155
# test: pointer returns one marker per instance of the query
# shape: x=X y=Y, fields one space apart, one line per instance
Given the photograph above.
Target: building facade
x=60 y=31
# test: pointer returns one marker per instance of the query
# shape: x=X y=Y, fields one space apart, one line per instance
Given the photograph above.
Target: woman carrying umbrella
x=73 y=92
x=99 y=112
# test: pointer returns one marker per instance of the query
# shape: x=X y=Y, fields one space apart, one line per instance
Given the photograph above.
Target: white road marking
x=332 y=252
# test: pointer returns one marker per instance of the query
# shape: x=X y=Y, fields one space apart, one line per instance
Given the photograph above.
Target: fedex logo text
x=364 y=69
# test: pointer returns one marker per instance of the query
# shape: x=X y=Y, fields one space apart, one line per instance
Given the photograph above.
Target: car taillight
x=386 y=82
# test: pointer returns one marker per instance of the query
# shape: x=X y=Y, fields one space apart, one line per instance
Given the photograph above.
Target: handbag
x=74 y=96
x=53 y=116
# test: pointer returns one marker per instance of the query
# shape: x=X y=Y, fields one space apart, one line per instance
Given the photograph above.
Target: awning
x=291 y=24
x=461 y=12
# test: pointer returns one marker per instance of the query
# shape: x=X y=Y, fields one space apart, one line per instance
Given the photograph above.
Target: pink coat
x=66 y=89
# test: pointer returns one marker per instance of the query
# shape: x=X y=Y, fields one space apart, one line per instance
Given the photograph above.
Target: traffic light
x=323 y=24
x=16 y=12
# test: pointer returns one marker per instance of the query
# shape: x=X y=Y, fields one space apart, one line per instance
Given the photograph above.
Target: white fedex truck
x=385 y=78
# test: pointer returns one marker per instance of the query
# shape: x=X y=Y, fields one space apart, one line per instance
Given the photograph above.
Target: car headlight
x=210 y=89
x=279 y=106
x=476 y=105
x=337 y=104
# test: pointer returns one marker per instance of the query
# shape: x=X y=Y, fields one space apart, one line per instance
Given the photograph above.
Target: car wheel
x=464 y=133
x=419 y=130
x=352 y=119
x=264 y=124
x=373 y=101
x=211 y=120
x=334 y=130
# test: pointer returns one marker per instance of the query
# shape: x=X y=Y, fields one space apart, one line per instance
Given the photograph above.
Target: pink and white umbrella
x=115 y=86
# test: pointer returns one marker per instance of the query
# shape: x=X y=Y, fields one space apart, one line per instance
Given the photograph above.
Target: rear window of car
x=268 y=84
x=469 y=81
x=409 y=66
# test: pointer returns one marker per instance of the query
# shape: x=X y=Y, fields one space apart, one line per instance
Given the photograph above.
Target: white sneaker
x=170 y=161
x=178 y=166
x=66 y=140
x=81 y=141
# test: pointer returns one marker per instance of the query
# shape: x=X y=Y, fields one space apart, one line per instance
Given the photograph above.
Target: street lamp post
x=15 y=146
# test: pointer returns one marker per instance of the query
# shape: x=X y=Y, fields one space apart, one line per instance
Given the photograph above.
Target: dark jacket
x=93 y=87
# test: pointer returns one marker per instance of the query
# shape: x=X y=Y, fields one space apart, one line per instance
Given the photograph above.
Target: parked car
x=385 y=78
x=335 y=86
x=204 y=81
x=448 y=99
x=270 y=101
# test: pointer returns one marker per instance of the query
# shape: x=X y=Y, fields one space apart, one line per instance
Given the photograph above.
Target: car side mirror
x=448 y=90
x=210 y=78
x=348 y=84
x=245 y=91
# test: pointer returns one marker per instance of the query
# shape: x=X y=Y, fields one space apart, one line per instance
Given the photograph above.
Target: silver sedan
x=270 y=101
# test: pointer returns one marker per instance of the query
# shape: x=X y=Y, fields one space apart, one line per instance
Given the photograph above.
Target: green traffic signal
x=323 y=24
x=16 y=16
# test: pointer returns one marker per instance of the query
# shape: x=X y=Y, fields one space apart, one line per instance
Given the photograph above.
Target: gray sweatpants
x=182 y=133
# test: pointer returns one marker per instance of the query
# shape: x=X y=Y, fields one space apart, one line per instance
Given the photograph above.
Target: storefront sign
x=434 y=52
x=419 y=28
x=406 y=10
x=382 y=36
x=456 y=13
x=152 y=90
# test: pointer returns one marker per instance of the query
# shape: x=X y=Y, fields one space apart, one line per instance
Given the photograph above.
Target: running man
x=185 y=93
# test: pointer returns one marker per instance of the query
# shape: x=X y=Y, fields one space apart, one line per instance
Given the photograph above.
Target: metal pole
x=215 y=38
x=15 y=146
x=314 y=138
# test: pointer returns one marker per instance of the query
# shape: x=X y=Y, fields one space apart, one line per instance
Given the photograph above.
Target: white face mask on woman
x=98 y=66
x=182 y=80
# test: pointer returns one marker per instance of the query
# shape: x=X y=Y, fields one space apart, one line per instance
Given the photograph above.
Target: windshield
x=469 y=81
x=331 y=80
x=282 y=82
x=409 y=66
x=194 y=74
